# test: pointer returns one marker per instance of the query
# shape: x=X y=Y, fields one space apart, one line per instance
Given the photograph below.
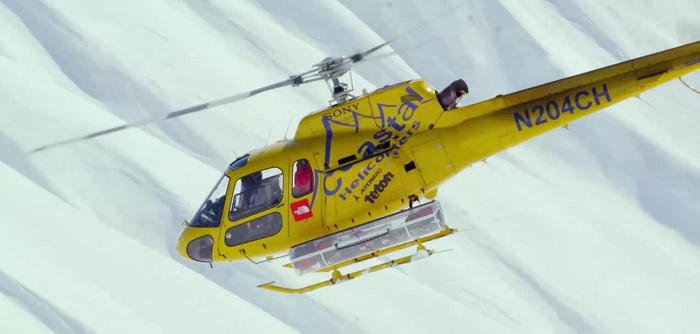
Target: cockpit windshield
x=209 y=214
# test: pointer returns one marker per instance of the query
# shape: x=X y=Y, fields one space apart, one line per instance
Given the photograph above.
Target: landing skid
x=337 y=277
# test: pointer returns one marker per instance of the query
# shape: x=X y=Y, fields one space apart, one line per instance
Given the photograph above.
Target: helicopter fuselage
x=376 y=154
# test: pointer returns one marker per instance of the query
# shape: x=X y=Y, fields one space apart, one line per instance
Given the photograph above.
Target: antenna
x=269 y=133
x=288 y=126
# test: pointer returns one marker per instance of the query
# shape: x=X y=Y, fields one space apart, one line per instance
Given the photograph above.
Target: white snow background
x=594 y=229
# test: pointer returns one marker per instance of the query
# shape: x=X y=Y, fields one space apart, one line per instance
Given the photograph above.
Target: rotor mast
x=331 y=69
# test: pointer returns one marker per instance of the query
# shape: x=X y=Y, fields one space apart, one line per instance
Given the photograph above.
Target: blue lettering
x=327 y=126
x=389 y=127
x=338 y=184
x=552 y=105
x=406 y=110
x=347 y=192
x=380 y=107
x=370 y=167
x=524 y=120
x=566 y=105
x=392 y=123
x=360 y=176
x=313 y=196
x=577 y=99
x=382 y=135
x=554 y=110
x=366 y=149
x=420 y=98
x=540 y=119
x=605 y=93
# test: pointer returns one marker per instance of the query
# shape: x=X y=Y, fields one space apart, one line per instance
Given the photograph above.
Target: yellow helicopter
x=359 y=178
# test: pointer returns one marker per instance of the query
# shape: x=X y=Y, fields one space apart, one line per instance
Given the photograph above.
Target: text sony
x=335 y=113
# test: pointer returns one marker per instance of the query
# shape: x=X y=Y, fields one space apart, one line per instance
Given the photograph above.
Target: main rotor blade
x=295 y=80
x=381 y=56
x=173 y=114
x=447 y=12
x=227 y=100
x=360 y=56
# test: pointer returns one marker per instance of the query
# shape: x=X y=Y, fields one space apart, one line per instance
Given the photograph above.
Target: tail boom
x=509 y=120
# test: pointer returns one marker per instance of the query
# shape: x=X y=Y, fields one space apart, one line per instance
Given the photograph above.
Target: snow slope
x=589 y=230
x=73 y=275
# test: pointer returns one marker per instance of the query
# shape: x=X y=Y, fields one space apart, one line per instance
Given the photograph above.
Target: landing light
x=200 y=249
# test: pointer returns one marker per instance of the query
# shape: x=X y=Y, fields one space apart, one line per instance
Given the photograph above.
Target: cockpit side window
x=256 y=192
x=209 y=214
x=303 y=178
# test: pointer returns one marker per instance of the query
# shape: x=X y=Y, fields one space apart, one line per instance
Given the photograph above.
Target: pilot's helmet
x=252 y=179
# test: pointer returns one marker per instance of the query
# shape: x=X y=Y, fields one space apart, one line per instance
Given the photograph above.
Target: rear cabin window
x=303 y=178
x=256 y=192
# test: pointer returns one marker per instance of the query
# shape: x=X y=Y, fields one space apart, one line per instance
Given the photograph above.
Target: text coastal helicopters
x=359 y=179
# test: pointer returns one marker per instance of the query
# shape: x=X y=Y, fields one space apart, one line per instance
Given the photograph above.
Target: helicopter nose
x=198 y=249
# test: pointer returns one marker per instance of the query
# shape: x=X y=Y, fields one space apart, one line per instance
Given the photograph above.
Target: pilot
x=303 y=178
x=273 y=190
x=253 y=191
x=450 y=96
x=211 y=212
